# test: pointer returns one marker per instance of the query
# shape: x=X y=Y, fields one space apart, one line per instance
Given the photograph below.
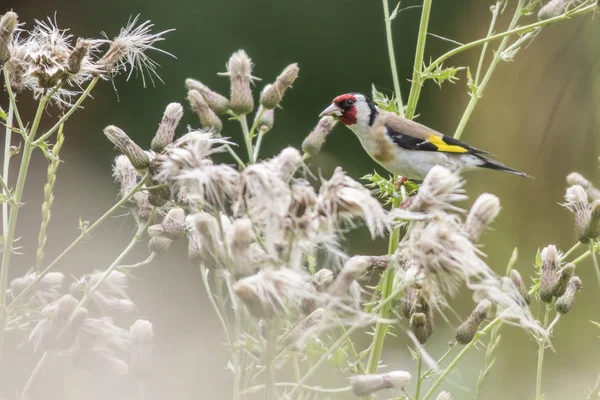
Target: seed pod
x=564 y=276
x=82 y=47
x=516 y=279
x=265 y=123
x=550 y=265
x=159 y=245
x=207 y=116
x=239 y=69
x=216 y=101
x=365 y=385
x=483 y=212
x=138 y=157
x=565 y=302
x=467 y=330
x=166 y=129
x=173 y=223
x=314 y=141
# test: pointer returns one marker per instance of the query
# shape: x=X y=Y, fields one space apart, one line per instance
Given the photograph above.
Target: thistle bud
x=482 y=214
x=265 y=123
x=207 y=228
x=159 y=245
x=444 y=396
x=564 y=276
x=173 y=223
x=550 y=266
x=194 y=249
x=155 y=230
x=207 y=116
x=352 y=270
x=216 y=101
x=307 y=323
x=315 y=140
x=420 y=326
x=166 y=129
x=239 y=69
x=516 y=279
x=467 y=330
x=159 y=196
x=241 y=239
x=365 y=385
x=138 y=157
x=142 y=337
x=577 y=179
x=8 y=24
x=82 y=47
x=272 y=95
x=407 y=301
x=587 y=216
x=565 y=302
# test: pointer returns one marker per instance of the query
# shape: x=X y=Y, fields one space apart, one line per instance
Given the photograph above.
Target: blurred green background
x=539 y=114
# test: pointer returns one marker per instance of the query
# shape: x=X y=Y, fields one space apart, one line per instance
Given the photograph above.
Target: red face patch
x=346 y=104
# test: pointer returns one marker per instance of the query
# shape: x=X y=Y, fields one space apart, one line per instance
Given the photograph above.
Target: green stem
x=415 y=87
x=6 y=168
x=419 y=375
x=82 y=235
x=488 y=75
x=571 y=250
x=540 y=361
x=65 y=117
x=495 y=12
x=261 y=134
x=247 y=138
x=458 y=357
x=318 y=389
x=13 y=102
x=14 y=213
x=595 y=261
x=34 y=375
x=390 y=45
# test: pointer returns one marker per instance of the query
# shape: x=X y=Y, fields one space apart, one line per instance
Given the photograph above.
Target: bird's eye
x=347 y=103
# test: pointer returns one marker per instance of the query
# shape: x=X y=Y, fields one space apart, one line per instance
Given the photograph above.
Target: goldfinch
x=405 y=147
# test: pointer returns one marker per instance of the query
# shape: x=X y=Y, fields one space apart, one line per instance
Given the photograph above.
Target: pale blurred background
x=540 y=114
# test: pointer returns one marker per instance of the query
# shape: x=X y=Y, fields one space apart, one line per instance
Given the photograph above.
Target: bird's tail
x=498 y=166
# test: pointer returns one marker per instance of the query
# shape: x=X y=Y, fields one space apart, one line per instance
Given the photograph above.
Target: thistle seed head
x=166 y=130
x=516 y=279
x=316 y=138
x=216 y=101
x=207 y=228
x=241 y=240
x=554 y=8
x=467 y=330
x=207 y=116
x=365 y=385
x=239 y=70
x=577 y=179
x=272 y=95
x=565 y=302
x=142 y=338
x=44 y=292
x=159 y=245
x=267 y=118
x=549 y=278
x=483 y=212
x=77 y=56
x=174 y=223
x=138 y=157
x=8 y=24
x=421 y=326
x=353 y=269
x=439 y=190
x=587 y=216
x=111 y=293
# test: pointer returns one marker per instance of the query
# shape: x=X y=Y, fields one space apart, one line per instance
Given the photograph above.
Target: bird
x=405 y=147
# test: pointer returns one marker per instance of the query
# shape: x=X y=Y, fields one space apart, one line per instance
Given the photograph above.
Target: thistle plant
x=267 y=236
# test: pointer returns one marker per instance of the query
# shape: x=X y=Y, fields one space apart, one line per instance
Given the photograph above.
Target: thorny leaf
x=382 y=101
x=471 y=84
x=529 y=8
x=14 y=150
x=441 y=74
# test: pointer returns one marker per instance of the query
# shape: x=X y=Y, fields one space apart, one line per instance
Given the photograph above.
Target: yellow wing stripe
x=445 y=147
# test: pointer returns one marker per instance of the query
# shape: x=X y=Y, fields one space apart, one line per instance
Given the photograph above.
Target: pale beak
x=332 y=110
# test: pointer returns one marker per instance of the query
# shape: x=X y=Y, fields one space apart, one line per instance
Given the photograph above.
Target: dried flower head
x=467 y=330
x=316 y=138
x=241 y=240
x=142 y=338
x=270 y=291
x=128 y=51
x=587 y=216
x=58 y=326
x=8 y=24
x=549 y=278
x=109 y=294
x=76 y=59
x=564 y=276
x=444 y=396
x=239 y=70
x=439 y=190
x=138 y=157
x=565 y=302
x=483 y=212
x=128 y=177
x=320 y=282
x=577 y=179
x=159 y=245
x=516 y=279
x=194 y=249
x=554 y=8
x=45 y=291
x=420 y=326
x=353 y=269
x=272 y=95
x=102 y=346
x=213 y=186
x=174 y=224
x=166 y=130
x=342 y=199
x=216 y=101
x=365 y=385
x=210 y=243
x=207 y=116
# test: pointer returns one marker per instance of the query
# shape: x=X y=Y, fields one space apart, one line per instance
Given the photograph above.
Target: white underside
x=415 y=164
